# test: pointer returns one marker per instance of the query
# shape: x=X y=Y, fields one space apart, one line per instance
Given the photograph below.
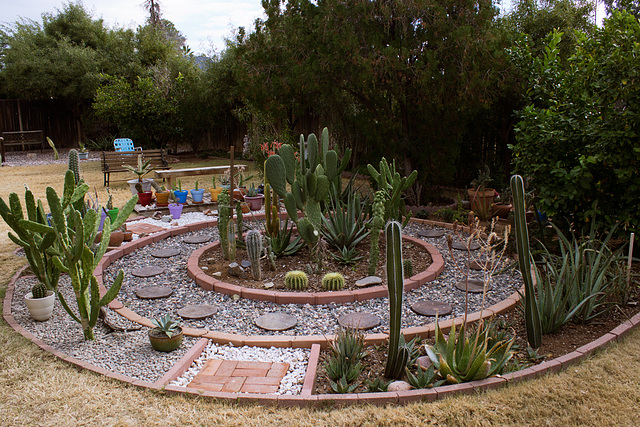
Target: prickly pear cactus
x=296 y=280
x=333 y=282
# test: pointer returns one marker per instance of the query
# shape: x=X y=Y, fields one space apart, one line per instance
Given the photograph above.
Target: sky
x=205 y=23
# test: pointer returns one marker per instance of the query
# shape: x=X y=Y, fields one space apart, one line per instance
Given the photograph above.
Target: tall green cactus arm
x=531 y=313
x=395 y=285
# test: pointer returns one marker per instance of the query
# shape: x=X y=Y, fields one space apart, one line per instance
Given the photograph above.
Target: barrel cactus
x=39 y=291
x=254 y=249
x=333 y=282
x=296 y=280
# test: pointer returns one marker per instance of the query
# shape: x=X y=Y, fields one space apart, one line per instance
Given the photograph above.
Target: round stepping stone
x=368 y=281
x=474 y=286
x=431 y=308
x=153 y=292
x=165 y=253
x=361 y=321
x=197 y=311
x=431 y=234
x=276 y=321
x=462 y=246
x=148 y=271
x=199 y=238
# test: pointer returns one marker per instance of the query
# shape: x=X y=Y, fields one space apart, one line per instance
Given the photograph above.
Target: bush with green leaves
x=577 y=138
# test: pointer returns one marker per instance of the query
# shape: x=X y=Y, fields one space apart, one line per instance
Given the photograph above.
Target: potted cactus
x=180 y=196
x=197 y=194
x=162 y=197
x=140 y=170
x=144 y=197
x=166 y=335
x=253 y=198
x=215 y=191
x=40 y=302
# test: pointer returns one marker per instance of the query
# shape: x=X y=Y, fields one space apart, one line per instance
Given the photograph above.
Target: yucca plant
x=461 y=358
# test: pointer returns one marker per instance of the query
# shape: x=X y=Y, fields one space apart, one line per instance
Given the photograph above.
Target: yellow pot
x=215 y=192
x=162 y=199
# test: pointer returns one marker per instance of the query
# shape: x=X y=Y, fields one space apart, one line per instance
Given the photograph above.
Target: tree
x=578 y=137
x=631 y=6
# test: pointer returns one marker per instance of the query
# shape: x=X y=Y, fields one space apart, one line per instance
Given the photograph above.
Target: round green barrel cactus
x=39 y=291
x=333 y=282
x=296 y=280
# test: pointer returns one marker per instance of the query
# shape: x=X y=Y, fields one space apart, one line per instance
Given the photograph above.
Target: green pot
x=161 y=342
x=113 y=214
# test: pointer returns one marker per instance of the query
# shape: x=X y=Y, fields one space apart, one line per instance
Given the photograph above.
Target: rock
x=269 y=285
x=276 y=321
x=197 y=311
x=245 y=263
x=431 y=308
x=196 y=239
x=235 y=297
x=203 y=268
x=165 y=253
x=157 y=215
x=236 y=270
x=368 y=281
x=431 y=234
x=148 y=271
x=474 y=286
x=166 y=218
x=359 y=320
x=154 y=292
x=463 y=246
x=217 y=274
x=424 y=362
x=399 y=386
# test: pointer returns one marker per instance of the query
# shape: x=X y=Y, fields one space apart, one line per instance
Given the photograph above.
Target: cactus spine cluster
x=333 y=282
x=296 y=280
x=398 y=354
x=407 y=267
x=310 y=182
x=531 y=313
x=71 y=250
x=377 y=222
x=38 y=291
x=393 y=185
x=224 y=216
x=255 y=249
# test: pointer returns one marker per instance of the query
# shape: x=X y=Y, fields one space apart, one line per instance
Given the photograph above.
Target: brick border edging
x=210 y=283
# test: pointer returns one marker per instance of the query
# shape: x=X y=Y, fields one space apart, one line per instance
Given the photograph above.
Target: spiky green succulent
x=333 y=282
x=296 y=280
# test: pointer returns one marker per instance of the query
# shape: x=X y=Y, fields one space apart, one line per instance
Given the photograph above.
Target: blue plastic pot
x=196 y=195
x=181 y=196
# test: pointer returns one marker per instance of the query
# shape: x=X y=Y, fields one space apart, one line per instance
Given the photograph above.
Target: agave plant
x=344 y=366
x=345 y=225
x=462 y=358
x=347 y=256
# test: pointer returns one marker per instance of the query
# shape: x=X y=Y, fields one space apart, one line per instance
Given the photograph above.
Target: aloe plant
x=531 y=314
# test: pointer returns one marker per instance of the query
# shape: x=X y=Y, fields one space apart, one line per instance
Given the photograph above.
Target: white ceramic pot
x=146 y=185
x=40 y=308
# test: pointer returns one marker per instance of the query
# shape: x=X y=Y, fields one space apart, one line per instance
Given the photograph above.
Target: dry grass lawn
x=37 y=389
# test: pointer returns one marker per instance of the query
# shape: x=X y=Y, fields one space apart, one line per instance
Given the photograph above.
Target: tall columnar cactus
x=224 y=210
x=239 y=218
x=333 y=282
x=232 y=241
x=36 y=242
x=398 y=354
x=255 y=249
x=407 y=266
x=74 y=165
x=310 y=181
x=72 y=254
x=393 y=184
x=531 y=313
x=377 y=222
x=271 y=211
x=296 y=280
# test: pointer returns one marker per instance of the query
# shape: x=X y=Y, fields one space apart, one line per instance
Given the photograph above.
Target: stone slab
x=142 y=228
x=431 y=234
x=360 y=320
x=148 y=271
x=276 y=321
x=462 y=246
x=153 y=292
x=197 y=311
x=368 y=281
x=165 y=253
x=474 y=286
x=197 y=239
x=431 y=308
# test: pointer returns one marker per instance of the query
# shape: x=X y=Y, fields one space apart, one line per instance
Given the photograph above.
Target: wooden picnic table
x=170 y=174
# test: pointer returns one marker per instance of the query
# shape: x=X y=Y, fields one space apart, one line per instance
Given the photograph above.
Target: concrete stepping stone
x=474 y=286
x=197 y=311
x=276 y=321
x=431 y=308
x=199 y=238
x=148 y=271
x=165 y=253
x=462 y=246
x=154 y=292
x=368 y=281
x=431 y=234
x=361 y=321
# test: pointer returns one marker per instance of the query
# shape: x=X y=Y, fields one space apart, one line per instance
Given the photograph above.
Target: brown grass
x=37 y=389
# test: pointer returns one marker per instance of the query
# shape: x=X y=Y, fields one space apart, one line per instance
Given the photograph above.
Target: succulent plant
x=39 y=290
x=333 y=281
x=166 y=324
x=74 y=165
x=224 y=215
x=296 y=280
x=393 y=184
x=254 y=249
x=407 y=267
x=377 y=222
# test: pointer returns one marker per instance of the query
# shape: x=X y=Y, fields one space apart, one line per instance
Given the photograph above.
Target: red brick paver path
x=240 y=377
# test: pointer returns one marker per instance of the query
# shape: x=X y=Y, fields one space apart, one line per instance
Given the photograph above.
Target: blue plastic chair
x=124 y=144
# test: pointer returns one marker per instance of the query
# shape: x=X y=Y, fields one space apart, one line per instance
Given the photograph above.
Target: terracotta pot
x=162 y=198
x=127 y=236
x=116 y=239
x=245 y=207
x=161 y=342
x=500 y=209
x=145 y=198
x=238 y=193
x=481 y=200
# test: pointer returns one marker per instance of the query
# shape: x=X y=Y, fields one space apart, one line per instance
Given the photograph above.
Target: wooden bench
x=114 y=162
x=169 y=175
x=22 y=139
